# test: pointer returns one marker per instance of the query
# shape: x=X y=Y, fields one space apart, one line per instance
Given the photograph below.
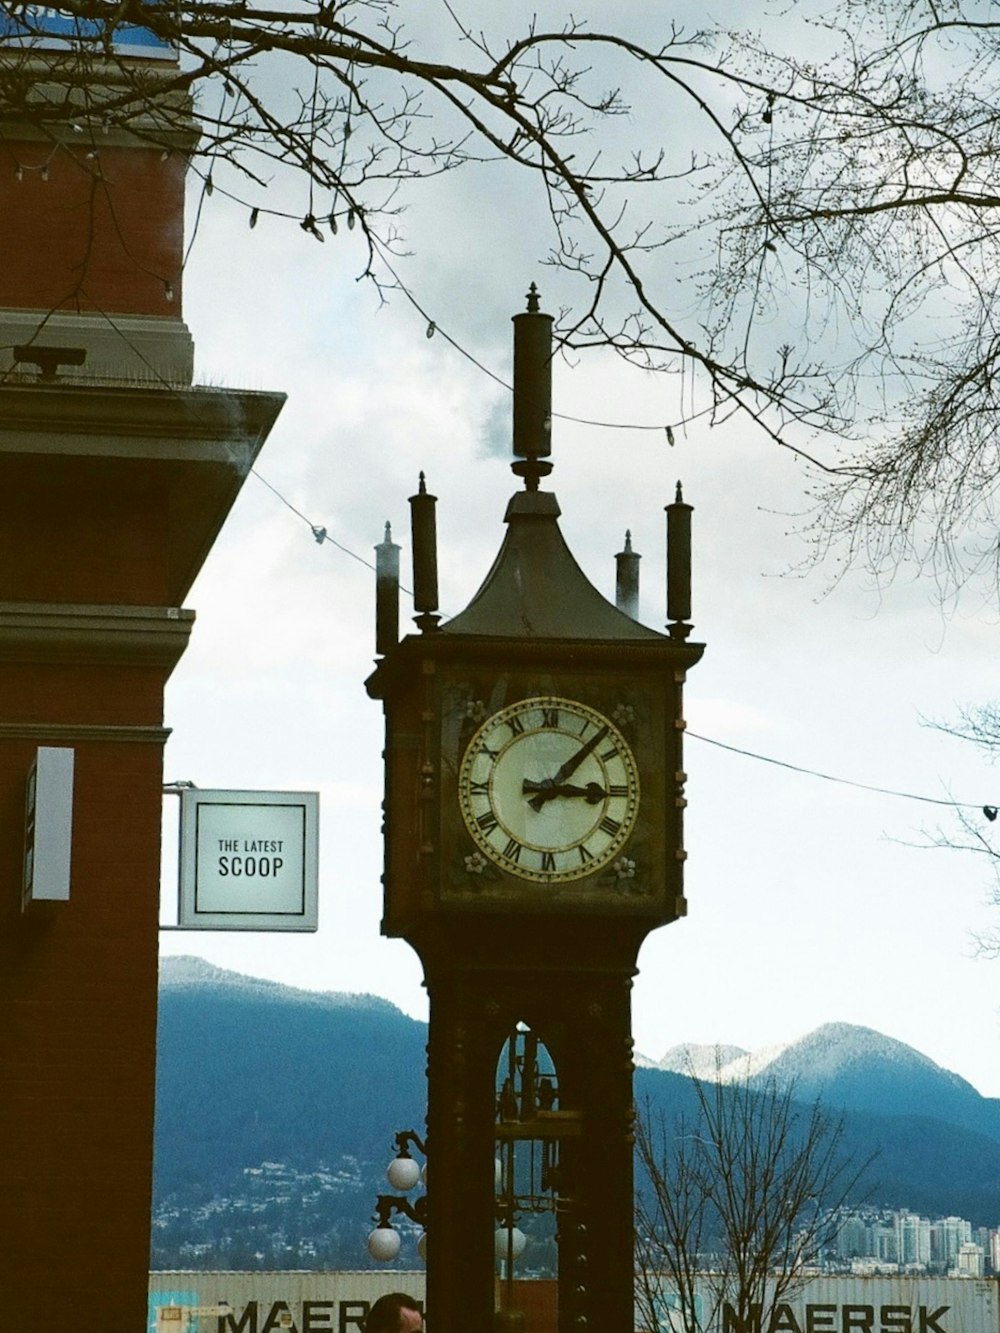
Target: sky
x=810 y=901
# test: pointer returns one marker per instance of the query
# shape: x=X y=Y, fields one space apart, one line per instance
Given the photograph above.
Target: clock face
x=549 y=790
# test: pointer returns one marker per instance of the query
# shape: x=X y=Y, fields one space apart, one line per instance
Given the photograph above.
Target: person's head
x=395 y=1313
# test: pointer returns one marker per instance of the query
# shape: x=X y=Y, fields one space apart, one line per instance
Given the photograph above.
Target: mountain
x=851 y=1068
x=700 y=1061
x=277 y=1110
x=919 y=1162
x=275 y=1117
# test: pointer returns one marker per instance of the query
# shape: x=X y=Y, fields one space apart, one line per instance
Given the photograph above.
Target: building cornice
x=124 y=421
x=48 y=98
x=78 y=733
x=198 y=445
x=93 y=635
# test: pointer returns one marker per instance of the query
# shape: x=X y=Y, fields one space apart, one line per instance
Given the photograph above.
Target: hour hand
x=593 y=793
x=550 y=788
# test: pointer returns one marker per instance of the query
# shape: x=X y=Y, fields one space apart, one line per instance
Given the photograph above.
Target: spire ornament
x=532 y=440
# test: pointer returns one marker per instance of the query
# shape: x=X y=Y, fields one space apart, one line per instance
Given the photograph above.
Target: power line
x=845 y=782
x=433 y=327
x=321 y=535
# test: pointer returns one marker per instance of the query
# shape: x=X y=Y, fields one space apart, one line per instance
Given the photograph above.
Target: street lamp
x=403 y=1174
x=509 y=1243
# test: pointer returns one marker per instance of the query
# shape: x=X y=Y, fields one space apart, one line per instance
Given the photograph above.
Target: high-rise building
x=970 y=1260
x=885 y=1244
x=854 y=1238
x=913 y=1239
x=948 y=1234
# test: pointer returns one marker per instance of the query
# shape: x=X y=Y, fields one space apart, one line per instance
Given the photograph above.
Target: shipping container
x=270 y=1302
x=904 y=1304
x=306 y=1302
x=337 y=1302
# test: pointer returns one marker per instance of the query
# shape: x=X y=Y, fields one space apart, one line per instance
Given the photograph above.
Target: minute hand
x=575 y=760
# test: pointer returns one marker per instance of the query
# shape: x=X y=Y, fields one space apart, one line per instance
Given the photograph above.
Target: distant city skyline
x=886 y=1240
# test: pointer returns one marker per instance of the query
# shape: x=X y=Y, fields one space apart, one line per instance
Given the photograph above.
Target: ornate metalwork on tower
x=533 y=838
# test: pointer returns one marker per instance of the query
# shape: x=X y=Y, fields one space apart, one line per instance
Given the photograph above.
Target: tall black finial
x=532 y=392
x=679 y=567
x=423 y=529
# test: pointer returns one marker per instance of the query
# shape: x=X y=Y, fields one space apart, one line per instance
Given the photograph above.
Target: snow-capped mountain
x=851 y=1067
x=277 y=1110
x=702 y=1061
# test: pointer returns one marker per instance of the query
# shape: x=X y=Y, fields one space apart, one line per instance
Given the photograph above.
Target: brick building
x=115 y=477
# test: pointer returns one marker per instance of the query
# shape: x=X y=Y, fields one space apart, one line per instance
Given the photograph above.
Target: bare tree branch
x=830 y=192
x=735 y=1203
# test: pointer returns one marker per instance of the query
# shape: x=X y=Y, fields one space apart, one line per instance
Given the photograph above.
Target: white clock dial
x=549 y=789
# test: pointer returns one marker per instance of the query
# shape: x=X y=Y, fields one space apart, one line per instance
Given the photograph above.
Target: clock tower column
x=534 y=798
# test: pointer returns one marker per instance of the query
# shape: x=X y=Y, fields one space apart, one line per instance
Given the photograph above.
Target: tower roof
x=536 y=590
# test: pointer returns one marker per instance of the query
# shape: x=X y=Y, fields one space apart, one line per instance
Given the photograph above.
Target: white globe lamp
x=403 y=1173
x=383 y=1244
x=509 y=1243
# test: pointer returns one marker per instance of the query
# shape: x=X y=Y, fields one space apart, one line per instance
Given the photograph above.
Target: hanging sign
x=48 y=827
x=46 y=28
x=248 y=860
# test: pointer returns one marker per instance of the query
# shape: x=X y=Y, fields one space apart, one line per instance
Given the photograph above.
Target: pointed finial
x=388 y=531
x=534 y=300
x=627 y=578
x=423 y=485
x=386 y=594
x=679 y=497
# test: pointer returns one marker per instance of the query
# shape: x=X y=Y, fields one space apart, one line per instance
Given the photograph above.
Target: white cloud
x=798 y=903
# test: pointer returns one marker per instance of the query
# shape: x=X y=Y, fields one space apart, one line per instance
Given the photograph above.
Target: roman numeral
x=609 y=754
x=479 y=788
x=493 y=754
x=550 y=717
x=585 y=856
x=516 y=725
x=548 y=860
x=609 y=825
x=513 y=850
x=616 y=789
x=487 y=822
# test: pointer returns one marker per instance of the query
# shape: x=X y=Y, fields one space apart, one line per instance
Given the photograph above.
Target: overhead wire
x=845 y=782
x=433 y=328
x=322 y=535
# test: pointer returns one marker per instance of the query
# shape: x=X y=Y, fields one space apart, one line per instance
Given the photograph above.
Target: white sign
x=48 y=827
x=248 y=860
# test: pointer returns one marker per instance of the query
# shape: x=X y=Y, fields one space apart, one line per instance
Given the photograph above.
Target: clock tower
x=533 y=838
